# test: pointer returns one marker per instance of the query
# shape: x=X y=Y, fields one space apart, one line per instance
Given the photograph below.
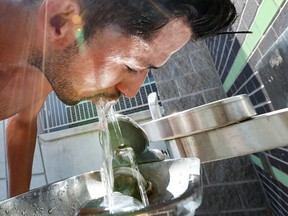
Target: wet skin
x=106 y=66
x=111 y=64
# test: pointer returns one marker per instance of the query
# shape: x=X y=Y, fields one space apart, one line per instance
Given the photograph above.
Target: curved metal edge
x=262 y=133
x=59 y=197
x=67 y=196
x=203 y=118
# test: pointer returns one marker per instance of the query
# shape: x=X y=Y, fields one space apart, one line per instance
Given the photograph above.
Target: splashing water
x=106 y=113
x=107 y=168
x=127 y=154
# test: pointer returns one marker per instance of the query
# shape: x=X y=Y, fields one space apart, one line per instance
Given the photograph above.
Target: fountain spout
x=136 y=138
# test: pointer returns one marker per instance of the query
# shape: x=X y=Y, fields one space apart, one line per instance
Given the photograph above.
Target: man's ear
x=59 y=20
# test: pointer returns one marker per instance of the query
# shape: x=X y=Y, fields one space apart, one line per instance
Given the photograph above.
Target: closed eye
x=130 y=70
x=153 y=67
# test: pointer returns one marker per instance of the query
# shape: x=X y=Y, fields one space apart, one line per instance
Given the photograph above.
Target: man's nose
x=131 y=84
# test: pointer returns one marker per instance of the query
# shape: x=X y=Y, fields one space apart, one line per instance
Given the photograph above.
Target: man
x=84 y=50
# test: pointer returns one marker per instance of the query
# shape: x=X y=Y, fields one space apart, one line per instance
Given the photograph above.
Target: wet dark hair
x=144 y=17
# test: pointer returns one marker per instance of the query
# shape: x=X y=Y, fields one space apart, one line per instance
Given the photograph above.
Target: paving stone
x=189 y=84
x=191 y=101
x=38 y=181
x=209 y=78
x=252 y=195
x=172 y=106
x=249 y=13
x=201 y=59
x=268 y=41
x=280 y=24
x=220 y=198
x=239 y=4
x=2 y=170
x=167 y=90
x=230 y=170
x=214 y=94
x=254 y=59
x=181 y=66
x=3 y=189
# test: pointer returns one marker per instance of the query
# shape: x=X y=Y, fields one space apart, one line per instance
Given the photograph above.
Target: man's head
x=145 y=17
x=100 y=48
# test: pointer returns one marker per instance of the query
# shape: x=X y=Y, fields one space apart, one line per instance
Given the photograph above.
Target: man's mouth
x=104 y=96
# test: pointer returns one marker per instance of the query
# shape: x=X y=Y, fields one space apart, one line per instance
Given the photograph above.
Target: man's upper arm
x=30 y=114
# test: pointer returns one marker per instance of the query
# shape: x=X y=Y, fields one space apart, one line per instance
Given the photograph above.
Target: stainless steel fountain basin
x=176 y=188
x=220 y=130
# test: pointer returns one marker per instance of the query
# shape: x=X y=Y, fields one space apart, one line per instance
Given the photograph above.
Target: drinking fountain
x=222 y=129
x=172 y=185
x=136 y=138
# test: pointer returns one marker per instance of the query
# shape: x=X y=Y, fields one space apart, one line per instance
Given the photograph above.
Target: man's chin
x=68 y=101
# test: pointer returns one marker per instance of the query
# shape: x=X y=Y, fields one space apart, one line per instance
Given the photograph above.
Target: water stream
x=107 y=168
x=106 y=114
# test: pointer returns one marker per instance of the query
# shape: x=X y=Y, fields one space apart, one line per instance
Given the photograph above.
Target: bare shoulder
x=30 y=113
x=21 y=88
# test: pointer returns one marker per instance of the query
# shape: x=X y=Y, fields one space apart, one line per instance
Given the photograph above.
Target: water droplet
x=51 y=210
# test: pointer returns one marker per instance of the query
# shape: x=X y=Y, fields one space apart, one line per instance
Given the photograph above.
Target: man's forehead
x=114 y=37
x=142 y=53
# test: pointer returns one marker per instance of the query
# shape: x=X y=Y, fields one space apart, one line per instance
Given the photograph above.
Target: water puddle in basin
x=114 y=201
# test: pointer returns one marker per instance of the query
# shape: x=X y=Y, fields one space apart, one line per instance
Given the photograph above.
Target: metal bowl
x=176 y=188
